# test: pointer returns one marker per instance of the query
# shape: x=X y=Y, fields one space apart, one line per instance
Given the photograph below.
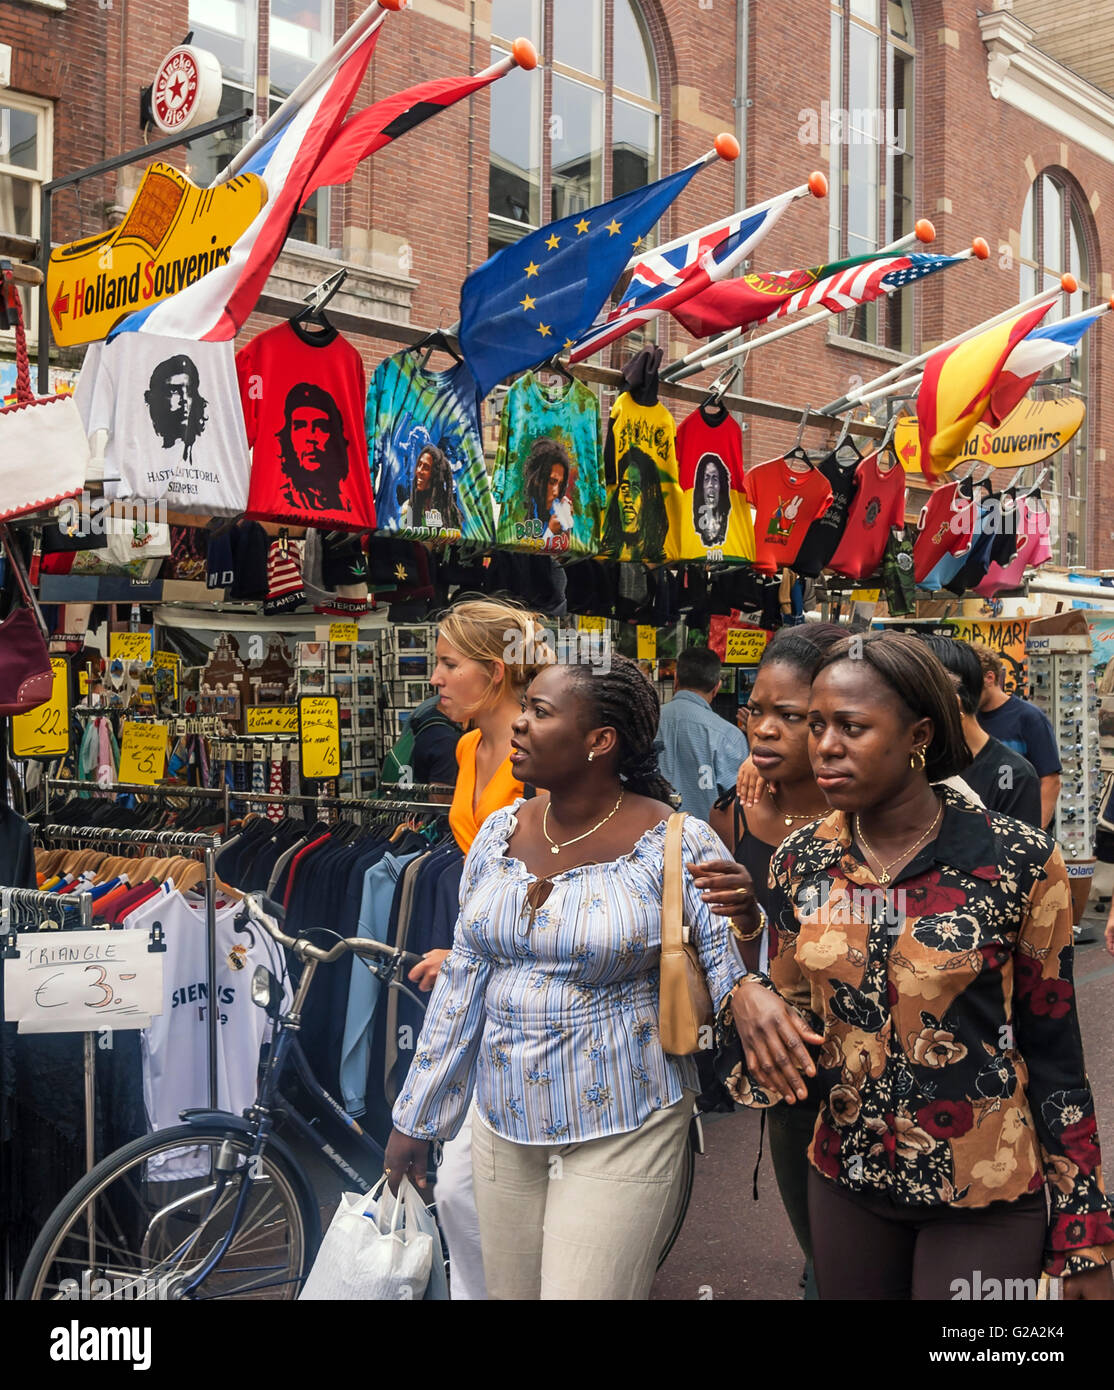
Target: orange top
x=468 y=812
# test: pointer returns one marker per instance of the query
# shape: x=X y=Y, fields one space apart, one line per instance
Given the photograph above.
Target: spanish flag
x=957 y=386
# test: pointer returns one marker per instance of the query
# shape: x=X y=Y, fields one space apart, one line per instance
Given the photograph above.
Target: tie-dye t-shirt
x=548 y=471
x=426 y=452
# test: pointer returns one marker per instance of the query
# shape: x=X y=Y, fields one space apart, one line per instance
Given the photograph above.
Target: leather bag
x=685 y=1003
x=26 y=676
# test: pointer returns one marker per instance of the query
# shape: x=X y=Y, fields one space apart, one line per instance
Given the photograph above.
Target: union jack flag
x=665 y=278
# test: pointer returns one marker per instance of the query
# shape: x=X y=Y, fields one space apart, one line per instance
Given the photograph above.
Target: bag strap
x=15 y=564
x=672 y=917
x=23 y=391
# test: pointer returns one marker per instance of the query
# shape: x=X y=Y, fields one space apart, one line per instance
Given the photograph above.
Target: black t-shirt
x=824 y=535
x=1027 y=730
x=434 y=755
x=1006 y=782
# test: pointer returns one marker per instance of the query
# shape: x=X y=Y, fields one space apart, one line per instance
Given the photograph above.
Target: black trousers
x=865 y=1247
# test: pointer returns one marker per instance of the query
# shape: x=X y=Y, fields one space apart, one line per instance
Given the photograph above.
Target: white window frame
x=43 y=111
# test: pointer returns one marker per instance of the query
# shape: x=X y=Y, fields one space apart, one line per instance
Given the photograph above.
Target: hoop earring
x=917 y=759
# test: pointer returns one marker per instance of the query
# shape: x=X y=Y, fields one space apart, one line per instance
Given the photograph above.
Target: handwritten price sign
x=130 y=646
x=263 y=719
x=744 y=646
x=319 y=719
x=647 y=642
x=45 y=732
x=344 y=632
x=76 y=981
x=142 y=753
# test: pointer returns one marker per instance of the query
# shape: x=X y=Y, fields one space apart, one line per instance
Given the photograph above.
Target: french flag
x=1036 y=351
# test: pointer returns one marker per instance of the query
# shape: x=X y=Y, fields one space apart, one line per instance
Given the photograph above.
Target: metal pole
x=211 y=966
x=43 y=348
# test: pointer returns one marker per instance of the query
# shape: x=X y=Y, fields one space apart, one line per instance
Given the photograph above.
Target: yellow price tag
x=744 y=646
x=45 y=732
x=266 y=719
x=344 y=632
x=319 y=718
x=142 y=752
x=83 y=682
x=865 y=595
x=647 y=642
x=129 y=646
x=587 y=624
x=169 y=661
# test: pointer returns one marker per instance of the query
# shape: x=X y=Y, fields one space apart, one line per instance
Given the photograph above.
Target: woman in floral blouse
x=935 y=940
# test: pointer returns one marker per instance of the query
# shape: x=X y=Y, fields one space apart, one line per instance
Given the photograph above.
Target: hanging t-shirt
x=943 y=531
x=171 y=409
x=786 y=503
x=715 y=513
x=303 y=396
x=826 y=532
x=878 y=508
x=642 y=519
x=427 y=457
x=548 y=480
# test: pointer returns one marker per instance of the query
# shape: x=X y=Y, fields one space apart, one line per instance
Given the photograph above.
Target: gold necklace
x=884 y=875
x=786 y=817
x=555 y=848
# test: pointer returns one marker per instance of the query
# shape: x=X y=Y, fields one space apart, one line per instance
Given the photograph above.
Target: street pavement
x=735 y=1248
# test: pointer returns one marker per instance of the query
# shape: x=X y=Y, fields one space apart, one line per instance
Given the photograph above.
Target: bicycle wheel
x=143 y=1222
x=681 y=1200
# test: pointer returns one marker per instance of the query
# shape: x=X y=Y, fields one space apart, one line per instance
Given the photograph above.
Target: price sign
x=83 y=682
x=75 y=981
x=129 y=646
x=169 y=661
x=264 y=720
x=647 y=642
x=45 y=732
x=744 y=646
x=319 y=718
x=344 y=632
x=865 y=595
x=142 y=752
x=587 y=624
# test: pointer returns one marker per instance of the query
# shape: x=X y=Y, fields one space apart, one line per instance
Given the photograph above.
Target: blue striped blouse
x=557 y=1022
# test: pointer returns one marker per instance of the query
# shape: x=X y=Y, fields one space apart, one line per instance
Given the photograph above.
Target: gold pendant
x=883 y=877
x=788 y=820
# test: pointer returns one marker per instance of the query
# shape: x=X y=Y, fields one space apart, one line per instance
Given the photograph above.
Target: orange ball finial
x=525 y=54
x=1068 y=283
x=818 y=184
x=924 y=230
x=726 y=146
x=979 y=249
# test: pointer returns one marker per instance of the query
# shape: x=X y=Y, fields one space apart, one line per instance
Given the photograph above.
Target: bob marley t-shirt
x=303 y=398
x=642 y=517
x=715 y=513
x=786 y=503
x=548 y=471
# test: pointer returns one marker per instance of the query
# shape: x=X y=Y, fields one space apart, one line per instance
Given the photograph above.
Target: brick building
x=989 y=123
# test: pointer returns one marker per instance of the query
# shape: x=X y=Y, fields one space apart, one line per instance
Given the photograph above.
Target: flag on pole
x=1036 y=351
x=957 y=386
x=538 y=296
x=666 y=278
x=755 y=299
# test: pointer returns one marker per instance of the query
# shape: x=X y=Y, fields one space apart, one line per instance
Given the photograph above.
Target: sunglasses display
x=1062 y=684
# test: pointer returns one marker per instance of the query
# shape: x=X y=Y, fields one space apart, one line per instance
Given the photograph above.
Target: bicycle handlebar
x=263 y=912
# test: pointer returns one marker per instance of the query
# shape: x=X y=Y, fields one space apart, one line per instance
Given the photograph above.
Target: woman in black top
x=778 y=733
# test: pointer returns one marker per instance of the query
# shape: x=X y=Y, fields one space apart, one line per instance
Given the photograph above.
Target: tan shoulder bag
x=686 y=1005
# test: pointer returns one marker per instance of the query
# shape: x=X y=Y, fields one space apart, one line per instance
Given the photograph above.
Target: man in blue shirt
x=698 y=752
x=1020 y=726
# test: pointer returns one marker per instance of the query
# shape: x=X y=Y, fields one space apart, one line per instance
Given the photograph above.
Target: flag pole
x=924 y=232
x=978 y=250
x=1068 y=285
x=356 y=32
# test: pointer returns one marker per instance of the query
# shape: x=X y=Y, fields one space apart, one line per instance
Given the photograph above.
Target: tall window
x=599 y=83
x=26 y=142
x=300 y=33
x=870 y=135
x=1052 y=242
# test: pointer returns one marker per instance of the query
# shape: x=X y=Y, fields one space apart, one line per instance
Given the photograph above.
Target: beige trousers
x=578 y=1221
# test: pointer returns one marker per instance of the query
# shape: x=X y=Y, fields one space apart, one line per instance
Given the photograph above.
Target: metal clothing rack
x=137 y=788
x=170 y=839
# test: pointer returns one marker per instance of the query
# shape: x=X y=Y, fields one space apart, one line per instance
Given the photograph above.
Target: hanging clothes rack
x=165 y=789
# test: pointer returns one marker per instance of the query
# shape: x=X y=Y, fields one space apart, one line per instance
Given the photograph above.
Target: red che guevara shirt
x=303 y=394
x=786 y=503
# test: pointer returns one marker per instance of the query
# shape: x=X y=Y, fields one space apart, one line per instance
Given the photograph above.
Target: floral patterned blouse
x=952 y=1066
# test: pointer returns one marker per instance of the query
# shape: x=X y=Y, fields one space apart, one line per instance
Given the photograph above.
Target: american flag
x=665 y=278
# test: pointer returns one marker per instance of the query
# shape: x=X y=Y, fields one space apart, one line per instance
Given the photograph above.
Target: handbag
x=44 y=451
x=685 y=1007
x=26 y=676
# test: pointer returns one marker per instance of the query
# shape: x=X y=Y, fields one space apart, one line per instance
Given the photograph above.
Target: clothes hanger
x=885 y=446
x=314 y=312
x=845 y=439
x=796 y=452
x=719 y=387
x=556 y=365
x=1035 y=485
x=438 y=339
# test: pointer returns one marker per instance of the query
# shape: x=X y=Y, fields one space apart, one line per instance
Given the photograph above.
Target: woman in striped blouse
x=550 y=1000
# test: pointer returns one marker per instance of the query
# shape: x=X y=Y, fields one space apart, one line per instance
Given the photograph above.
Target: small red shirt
x=877 y=507
x=786 y=503
x=944 y=529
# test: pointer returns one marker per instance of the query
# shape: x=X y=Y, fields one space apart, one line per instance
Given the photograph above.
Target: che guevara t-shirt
x=303 y=397
x=714 y=511
x=786 y=503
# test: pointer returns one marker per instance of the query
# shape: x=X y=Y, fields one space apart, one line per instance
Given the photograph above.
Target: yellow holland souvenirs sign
x=174 y=234
x=1033 y=430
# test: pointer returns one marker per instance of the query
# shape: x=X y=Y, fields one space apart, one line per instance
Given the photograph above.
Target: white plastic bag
x=374 y=1249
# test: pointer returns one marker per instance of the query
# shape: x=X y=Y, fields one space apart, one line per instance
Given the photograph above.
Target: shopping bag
x=374 y=1249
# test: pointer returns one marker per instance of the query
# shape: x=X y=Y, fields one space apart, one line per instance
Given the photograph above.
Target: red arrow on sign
x=60 y=306
x=909 y=451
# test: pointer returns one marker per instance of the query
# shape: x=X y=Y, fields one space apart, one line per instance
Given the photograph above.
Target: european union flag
x=537 y=297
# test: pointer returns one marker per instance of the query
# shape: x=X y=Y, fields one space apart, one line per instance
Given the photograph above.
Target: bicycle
x=245 y=1221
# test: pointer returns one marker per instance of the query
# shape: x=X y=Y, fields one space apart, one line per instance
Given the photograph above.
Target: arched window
x=583 y=129
x=870 y=137
x=1053 y=240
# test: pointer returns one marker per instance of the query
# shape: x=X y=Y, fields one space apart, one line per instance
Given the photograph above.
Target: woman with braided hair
x=549 y=999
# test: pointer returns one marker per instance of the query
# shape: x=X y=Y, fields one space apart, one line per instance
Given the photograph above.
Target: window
x=1053 y=240
x=870 y=137
x=599 y=84
x=26 y=145
x=300 y=33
